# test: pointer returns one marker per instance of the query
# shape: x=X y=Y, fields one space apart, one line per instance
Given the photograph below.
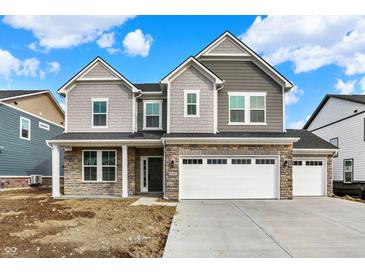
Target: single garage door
x=222 y=177
x=309 y=177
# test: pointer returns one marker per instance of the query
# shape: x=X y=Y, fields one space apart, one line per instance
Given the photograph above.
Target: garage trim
x=277 y=158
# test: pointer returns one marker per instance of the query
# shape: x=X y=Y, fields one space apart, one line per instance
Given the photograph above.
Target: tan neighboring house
x=213 y=128
x=27 y=119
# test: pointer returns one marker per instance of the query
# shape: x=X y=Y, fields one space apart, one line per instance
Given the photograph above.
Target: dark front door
x=155 y=174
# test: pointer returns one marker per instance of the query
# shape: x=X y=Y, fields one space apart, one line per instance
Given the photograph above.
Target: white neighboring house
x=340 y=119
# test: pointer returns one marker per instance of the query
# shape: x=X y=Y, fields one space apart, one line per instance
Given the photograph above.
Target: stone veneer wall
x=329 y=159
x=73 y=184
x=173 y=152
x=131 y=170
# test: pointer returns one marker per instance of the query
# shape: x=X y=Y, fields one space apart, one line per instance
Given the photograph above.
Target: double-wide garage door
x=309 y=177
x=223 y=177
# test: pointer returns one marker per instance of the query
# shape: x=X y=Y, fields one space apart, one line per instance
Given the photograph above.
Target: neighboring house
x=27 y=119
x=213 y=128
x=340 y=119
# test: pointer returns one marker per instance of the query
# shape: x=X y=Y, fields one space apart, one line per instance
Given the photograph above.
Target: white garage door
x=309 y=177
x=228 y=178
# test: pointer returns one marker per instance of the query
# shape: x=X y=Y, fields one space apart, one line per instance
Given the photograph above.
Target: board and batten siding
x=140 y=113
x=191 y=79
x=246 y=76
x=350 y=133
x=120 y=107
x=333 y=110
x=21 y=157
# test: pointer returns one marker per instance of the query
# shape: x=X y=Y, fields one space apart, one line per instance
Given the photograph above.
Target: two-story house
x=340 y=119
x=27 y=119
x=213 y=128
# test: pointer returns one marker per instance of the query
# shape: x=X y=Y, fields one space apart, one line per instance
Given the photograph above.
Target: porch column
x=124 y=171
x=56 y=172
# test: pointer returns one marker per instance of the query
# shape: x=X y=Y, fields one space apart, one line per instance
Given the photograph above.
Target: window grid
x=297 y=163
x=265 y=161
x=217 y=161
x=152 y=114
x=192 y=161
x=241 y=161
x=100 y=112
x=313 y=163
x=25 y=125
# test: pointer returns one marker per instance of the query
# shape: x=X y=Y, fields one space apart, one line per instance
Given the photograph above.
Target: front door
x=151 y=174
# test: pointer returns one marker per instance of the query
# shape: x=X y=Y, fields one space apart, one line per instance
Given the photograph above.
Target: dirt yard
x=349 y=198
x=33 y=225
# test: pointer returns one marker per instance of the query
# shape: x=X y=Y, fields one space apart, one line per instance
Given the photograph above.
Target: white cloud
x=54 y=32
x=10 y=65
x=345 y=87
x=112 y=50
x=297 y=124
x=362 y=85
x=107 y=40
x=136 y=43
x=310 y=42
x=293 y=95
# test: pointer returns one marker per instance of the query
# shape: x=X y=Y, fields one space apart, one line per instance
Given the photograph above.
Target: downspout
x=164 y=169
x=219 y=89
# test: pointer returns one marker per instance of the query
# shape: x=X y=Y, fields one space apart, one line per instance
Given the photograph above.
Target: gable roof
x=352 y=98
x=98 y=59
x=149 y=87
x=288 y=84
x=193 y=60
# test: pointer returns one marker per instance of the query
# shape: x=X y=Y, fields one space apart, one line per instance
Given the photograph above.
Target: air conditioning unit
x=35 y=180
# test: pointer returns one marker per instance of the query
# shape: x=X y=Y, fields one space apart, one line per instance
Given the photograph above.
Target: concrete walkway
x=303 y=227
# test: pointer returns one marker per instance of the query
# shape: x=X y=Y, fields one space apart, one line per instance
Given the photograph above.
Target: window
x=257 y=109
x=247 y=108
x=313 y=163
x=192 y=161
x=108 y=164
x=99 y=165
x=24 y=128
x=265 y=161
x=152 y=114
x=44 y=126
x=297 y=163
x=217 y=161
x=334 y=141
x=241 y=161
x=90 y=165
x=191 y=103
x=100 y=112
x=348 y=170
x=236 y=109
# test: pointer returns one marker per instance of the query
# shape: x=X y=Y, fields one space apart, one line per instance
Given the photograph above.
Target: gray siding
x=120 y=107
x=140 y=113
x=21 y=157
x=246 y=76
x=99 y=71
x=191 y=79
x=227 y=46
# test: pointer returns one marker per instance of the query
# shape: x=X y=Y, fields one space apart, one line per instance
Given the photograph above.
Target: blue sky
x=318 y=54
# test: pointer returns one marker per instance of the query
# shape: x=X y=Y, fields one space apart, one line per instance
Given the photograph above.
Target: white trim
x=133 y=113
x=197 y=103
x=106 y=142
x=31 y=114
x=43 y=126
x=63 y=90
x=95 y=99
x=24 y=95
x=215 y=109
x=168 y=110
x=245 y=48
x=284 y=119
x=145 y=158
x=151 y=92
x=99 y=166
x=56 y=172
x=97 y=79
x=227 y=54
x=66 y=116
x=230 y=140
x=124 y=171
x=247 y=108
x=177 y=71
x=145 y=102
x=21 y=128
x=329 y=151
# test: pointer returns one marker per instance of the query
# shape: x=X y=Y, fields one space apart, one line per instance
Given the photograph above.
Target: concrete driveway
x=303 y=227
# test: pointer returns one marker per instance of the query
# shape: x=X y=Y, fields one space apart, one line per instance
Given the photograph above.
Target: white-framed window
x=43 y=125
x=100 y=112
x=334 y=141
x=247 y=108
x=152 y=114
x=348 y=170
x=25 y=125
x=99 y=165
x=191 y=103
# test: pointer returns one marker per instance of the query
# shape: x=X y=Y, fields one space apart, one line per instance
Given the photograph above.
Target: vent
x=35 y=180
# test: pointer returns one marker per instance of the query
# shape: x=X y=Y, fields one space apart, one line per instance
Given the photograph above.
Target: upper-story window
x=152 y=110
x=100 y=112
x=247 y=108
x=24 y=128
x=191 y=103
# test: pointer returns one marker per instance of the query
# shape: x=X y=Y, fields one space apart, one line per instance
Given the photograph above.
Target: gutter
x=230 y=140
x=328 y=151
